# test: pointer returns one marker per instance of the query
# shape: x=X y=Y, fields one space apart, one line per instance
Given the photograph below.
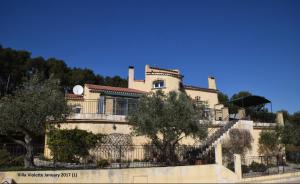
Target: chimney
x=212 y=83
x=130 y=76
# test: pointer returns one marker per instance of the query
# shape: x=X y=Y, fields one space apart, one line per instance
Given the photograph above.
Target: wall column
x=237 y=165
x=218 y=154
x=225 y=114
x=279 y=118
x=242 y=113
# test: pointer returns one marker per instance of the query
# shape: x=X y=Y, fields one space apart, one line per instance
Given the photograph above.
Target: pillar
x=225 y=113
x=237 y=165
x=279 y=118
x=242 y=113
x=218 y=154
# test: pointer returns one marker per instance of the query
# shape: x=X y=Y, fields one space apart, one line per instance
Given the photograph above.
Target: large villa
x=103 y=109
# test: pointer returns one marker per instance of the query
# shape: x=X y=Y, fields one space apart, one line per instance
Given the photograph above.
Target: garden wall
x=182 y=174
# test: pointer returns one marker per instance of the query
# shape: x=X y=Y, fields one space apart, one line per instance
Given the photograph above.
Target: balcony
x=103 y=109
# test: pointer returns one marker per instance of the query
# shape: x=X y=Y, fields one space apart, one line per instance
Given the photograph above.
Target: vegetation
x=17 y=66
x=4 y=157
x=72 y=145
x=239 y=142
x=258 y=167
x=7 y=160
x=166 y=119
x=257 y=113
x=270 y=142
x=103 y=163
x=223 y=98
x=28 y=109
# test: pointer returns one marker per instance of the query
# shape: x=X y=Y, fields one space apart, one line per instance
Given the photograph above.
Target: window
x=77 y=109
x=158 y=84
x=101 y=105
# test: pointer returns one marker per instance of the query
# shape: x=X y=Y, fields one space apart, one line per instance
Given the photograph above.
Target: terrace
x=108 y=108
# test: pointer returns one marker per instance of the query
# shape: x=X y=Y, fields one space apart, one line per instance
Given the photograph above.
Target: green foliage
x=223 y=98
x=17 y=161
x=36 y=102
x=233 y=108
x=263 y=116
x=290 y=134
x=7 y=160
x=71 y=145
x=258 y=167
x=4 y=157
x=239 y=142
x=270 y=142
x=166 y=119
x=295 y=118
x=103 y=163
x=245 y=168
x=18 y=66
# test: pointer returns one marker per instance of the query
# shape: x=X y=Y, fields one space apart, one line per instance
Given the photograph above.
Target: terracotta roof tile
x=71 y=96
x=110 y=88
x=190 y=87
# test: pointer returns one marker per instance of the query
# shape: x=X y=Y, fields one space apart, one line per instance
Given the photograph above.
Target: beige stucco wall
x=105 y=128
x=182 y=174
x=90 y=95
x=171 y=83
x=210 y=98
x=255 y=144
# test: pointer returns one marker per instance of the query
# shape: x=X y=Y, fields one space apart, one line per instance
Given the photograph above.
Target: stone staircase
x=217 y=137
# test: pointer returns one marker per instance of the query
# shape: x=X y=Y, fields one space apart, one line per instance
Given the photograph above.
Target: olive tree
x=27 y=110
x=167 y=119
x=239 y=141
x=270 y=141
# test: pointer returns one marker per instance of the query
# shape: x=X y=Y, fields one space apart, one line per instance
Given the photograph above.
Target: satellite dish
x=78 y=90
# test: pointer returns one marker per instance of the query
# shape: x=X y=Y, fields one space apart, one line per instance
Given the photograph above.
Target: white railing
x=94 y=116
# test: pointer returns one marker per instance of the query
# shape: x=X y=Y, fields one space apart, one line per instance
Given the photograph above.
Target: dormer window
x=158 y=84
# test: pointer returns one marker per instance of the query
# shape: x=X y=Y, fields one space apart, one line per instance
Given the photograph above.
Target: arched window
x=158 y=84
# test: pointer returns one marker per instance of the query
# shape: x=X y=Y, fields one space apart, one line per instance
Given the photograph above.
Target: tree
x=233 y=108
x=223 y=98
x=270 y=142
x=28 y=109
x=17 y=66
x=166 y=119
x=239 y=142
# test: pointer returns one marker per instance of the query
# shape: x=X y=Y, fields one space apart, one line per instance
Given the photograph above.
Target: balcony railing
x=106 y=108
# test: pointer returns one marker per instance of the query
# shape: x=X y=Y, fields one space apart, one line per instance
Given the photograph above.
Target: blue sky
x=249 y=45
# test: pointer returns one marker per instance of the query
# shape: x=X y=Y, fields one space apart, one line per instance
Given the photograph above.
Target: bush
x=258 y=167
x=231 y=166
x=71 y=145
x=102 y=163
x=245 y=169
x=4 y=157
x=17 y=161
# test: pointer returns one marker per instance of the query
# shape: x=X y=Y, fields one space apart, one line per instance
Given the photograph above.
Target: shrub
x=102 y=163
x=71 y=145
x=4 y=157
x=17 y=161
x=245 y=169
x=258 y=167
